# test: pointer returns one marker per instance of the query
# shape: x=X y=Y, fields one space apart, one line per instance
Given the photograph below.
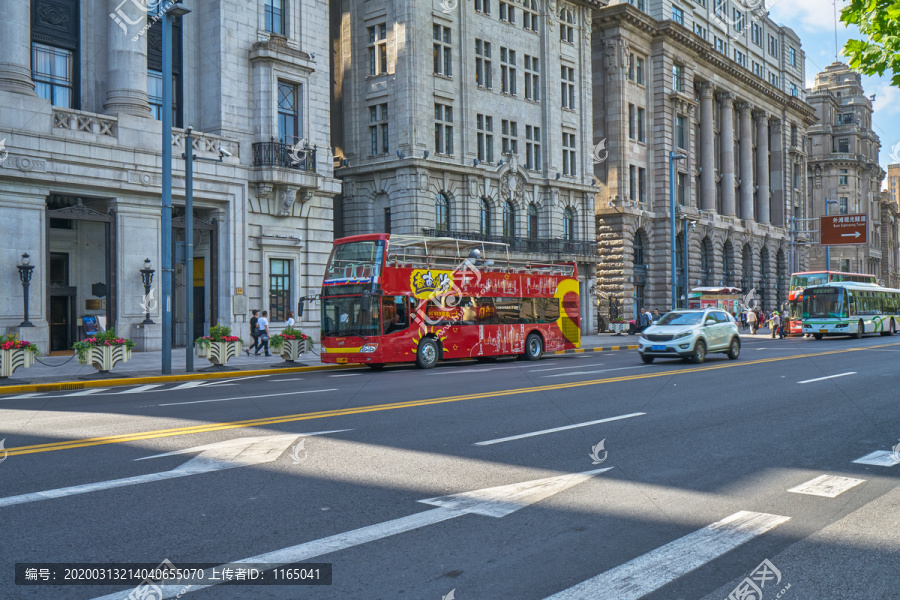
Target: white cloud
x=811 y=15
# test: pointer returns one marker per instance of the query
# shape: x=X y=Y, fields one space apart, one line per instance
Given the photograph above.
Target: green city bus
x=849 y=308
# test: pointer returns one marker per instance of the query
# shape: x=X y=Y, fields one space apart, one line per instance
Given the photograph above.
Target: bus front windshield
x=825 y=303
x=355 y=260
x=344 y=316
x=798 y=282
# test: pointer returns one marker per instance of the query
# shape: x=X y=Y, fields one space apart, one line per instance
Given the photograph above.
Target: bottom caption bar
x=167 y=573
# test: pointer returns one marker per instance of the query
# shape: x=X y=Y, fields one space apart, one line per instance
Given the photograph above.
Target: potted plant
x=290 y=343
x=15 y=353
x=103 y=350
x=619 y=325
x=219 y=345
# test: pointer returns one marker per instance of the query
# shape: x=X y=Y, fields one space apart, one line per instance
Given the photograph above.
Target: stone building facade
x=890 y=228
x=723 y=89
x=469 y=120
x=843 y=166
x=80 y=182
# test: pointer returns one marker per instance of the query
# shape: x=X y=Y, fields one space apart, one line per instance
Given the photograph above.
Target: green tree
x=879 y=21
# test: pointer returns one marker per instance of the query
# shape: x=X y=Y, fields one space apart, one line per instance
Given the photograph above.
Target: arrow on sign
x=490 y=502
x=855 y=234
x=241 y=452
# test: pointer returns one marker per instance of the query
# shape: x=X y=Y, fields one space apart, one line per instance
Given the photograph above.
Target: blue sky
x=813 y=20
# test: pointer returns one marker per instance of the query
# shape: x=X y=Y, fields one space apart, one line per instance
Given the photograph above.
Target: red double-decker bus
x=396 y=298
x=800 y=281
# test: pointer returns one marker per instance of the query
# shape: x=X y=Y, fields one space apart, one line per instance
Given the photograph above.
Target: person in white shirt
x=263 y=326
x=289 y=322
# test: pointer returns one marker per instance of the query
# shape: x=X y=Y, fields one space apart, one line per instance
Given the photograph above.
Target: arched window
x=509 y=219
x=484 y=220
x=781 y=282
x=705 y=270
x=569 y=224
x=746 y=268
x=566 y=26
x=763 y=268
x=532 y=222
x=442 y=212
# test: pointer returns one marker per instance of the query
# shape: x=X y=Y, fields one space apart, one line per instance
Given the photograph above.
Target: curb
x=123 y=381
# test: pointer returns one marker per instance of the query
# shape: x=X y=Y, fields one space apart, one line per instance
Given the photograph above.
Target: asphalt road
x=686 y=497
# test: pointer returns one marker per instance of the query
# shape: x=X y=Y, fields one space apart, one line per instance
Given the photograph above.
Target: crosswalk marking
x=827 y=486
x=85 y=392
x=141 y=388
x=19 y=396
x=648 y=573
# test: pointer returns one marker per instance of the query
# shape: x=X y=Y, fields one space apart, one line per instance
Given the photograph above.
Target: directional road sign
x=839 y=230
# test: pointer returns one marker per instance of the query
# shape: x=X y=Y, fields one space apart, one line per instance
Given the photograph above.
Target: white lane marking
x=593 y=372
x=561 y=368
x=645 y=574
x=449 y=371
x=84 y=392
x=829 y=377
x=229 y=381
x=141 y=388
x=240 y=452
x=879 y=458
x=827 y=486
x=290 y=379
x=187 y=385
x=24 y=396
x=555 y=429
x=492 y=502
x=246 y=397
x=346 y=375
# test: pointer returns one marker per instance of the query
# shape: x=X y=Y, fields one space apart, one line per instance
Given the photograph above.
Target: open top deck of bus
x=854 y=286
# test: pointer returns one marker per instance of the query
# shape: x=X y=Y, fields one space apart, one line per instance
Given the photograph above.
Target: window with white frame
x=570 y=164
x=508 y=71
x=567 y=26
x=773 y=79
x=508 y=12
x=289 y=130
x=280 y=285
x=843 y=178
x=484 y=126
x=740 y=58
x=530 y=15
x=443 y=129
x=532 y=148
x=678 y=15
x=377 y=49
x=275 y=16
x=378 y=129
x=443 y=61
x=701 y=31
x=532 y=78
x=738 y=20
x=720 y=45
x=678 y=77
x=567 y=87
x=720 y=8
x=792 y=56
x=758 y=70
x=483 y=68
x=509 y=136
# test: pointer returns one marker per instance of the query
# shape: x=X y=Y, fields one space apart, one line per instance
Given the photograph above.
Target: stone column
x=744 y=111
x=777 y=173
x=762 y=166
x=726 y=135
x=707 y=150
x=126 y=90
x=15 y=60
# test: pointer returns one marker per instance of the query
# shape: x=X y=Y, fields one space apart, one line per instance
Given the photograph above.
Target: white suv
x=690 y=334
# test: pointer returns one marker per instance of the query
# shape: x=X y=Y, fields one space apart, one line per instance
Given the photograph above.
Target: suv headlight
x=683 y=334
x=368 y=348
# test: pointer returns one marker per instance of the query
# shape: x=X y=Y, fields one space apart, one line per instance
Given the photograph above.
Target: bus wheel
x=534 y=347
x=427 y=355
x=818 y=336
x=859 y=330
x=889 y=330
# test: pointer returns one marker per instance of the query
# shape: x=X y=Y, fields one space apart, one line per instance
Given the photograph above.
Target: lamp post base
x=26 y=323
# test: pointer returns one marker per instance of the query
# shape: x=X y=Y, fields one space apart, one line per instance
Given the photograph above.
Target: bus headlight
x=368 y=348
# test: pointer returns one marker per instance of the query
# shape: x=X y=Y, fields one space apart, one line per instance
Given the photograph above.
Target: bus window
x=527 y=312
x=394 y=314
x=486 y=314
x=507 y=310
x=547 y=309
x=824 y=303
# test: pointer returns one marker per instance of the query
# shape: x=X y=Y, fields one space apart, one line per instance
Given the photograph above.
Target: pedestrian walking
x=289 y=320
x=263 y=326
x=656 y=315
x=744 y=319
x=776 y=323
x=752 y=321
x=254 y=332
x=646 y=319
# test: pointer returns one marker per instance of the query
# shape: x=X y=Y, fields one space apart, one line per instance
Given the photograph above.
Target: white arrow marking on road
x=855 y=234
x=241 y=452
x=645 y=574
x=491 y=502
x=555 y=429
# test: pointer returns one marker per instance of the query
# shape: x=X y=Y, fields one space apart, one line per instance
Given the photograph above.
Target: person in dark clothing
x=262 y=325
x=254 y=332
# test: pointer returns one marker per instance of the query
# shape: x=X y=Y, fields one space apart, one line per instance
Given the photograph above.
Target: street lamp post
x=672 y=158
x=170 y=10
x=147 y=278
x=25 y=270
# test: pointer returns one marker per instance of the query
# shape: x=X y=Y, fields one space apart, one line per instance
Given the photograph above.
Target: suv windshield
x=681 y=318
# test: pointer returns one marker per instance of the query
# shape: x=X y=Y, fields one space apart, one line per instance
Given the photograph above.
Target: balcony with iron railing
x=553 y=246
x=275 y=153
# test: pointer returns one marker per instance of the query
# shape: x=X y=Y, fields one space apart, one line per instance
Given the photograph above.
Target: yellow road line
x=160 y=433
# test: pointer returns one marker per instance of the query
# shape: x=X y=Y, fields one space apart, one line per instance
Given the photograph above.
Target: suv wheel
x=699 y=353
x=647 y=359
x=734 y=349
